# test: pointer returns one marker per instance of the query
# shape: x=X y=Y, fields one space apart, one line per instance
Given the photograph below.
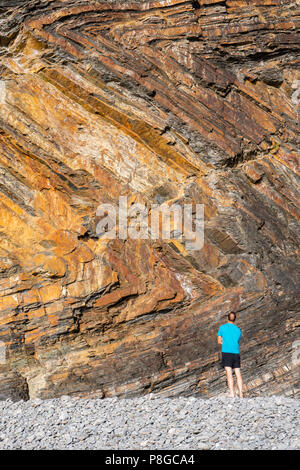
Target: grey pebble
x=150 y=423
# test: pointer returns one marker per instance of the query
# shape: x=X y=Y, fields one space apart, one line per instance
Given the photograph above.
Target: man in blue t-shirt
x=229 y=336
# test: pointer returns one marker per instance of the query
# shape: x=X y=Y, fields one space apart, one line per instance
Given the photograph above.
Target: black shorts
x=231 y=360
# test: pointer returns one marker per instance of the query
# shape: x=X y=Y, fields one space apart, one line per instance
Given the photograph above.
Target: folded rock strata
x=165 y=101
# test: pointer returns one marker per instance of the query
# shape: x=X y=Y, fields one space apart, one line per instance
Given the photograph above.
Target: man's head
x=231 y=316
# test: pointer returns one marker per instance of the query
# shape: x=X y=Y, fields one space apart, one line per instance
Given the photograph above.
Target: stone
x=161 y=102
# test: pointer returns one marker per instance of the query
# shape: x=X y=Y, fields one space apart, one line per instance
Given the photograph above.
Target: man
x=229 y=336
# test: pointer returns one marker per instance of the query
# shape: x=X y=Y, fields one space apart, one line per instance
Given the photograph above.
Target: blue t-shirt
x=231 y=335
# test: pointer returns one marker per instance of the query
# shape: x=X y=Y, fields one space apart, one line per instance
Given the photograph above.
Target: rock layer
x=160 y=101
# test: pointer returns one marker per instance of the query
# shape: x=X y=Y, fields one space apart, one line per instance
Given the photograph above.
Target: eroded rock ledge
x=162 y=101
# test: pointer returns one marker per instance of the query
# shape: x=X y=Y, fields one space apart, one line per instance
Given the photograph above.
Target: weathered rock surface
x=161 y=101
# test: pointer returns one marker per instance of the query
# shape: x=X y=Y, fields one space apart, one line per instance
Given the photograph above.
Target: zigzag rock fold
x=167 y=101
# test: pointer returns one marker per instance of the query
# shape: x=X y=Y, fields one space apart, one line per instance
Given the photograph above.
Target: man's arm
x=220 y=339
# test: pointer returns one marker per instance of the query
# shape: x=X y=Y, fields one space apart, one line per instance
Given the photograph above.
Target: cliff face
x=161 y=101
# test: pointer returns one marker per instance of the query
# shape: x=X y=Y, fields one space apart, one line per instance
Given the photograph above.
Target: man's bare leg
x=230 y=381
x=239 y=381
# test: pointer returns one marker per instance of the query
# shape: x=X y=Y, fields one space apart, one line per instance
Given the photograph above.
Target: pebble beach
x=151 y=423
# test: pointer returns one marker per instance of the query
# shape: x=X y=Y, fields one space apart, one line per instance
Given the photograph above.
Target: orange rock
x=163 y=102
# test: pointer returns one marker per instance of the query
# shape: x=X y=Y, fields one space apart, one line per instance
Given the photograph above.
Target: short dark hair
x=231 y=316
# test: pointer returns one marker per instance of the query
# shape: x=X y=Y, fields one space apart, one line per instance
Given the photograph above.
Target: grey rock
x=155 y=423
